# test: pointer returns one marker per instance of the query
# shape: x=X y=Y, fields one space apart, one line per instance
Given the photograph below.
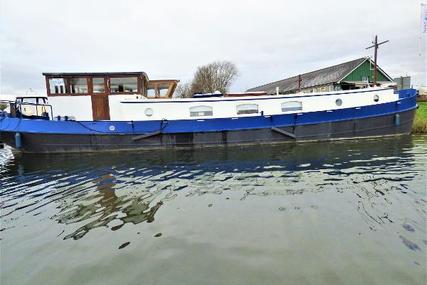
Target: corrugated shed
x=319 y=77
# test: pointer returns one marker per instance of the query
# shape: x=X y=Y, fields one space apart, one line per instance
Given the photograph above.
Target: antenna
x=375 y=46
x=29 y=91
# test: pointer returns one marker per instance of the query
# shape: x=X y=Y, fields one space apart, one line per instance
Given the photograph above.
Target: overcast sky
x=267 y=40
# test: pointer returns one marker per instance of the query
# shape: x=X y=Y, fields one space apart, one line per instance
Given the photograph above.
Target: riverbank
x=420 y=122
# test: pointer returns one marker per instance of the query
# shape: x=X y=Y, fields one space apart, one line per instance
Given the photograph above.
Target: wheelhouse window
x=243 y=109
x=158 y=89
x=163 y=90
x=98 y=85
x=32 y=100
x=57 y=86
x=200 y=111
x=124 y=85
x=291 y=106
x=151 y=93
x=28 y=100
x=78 y=85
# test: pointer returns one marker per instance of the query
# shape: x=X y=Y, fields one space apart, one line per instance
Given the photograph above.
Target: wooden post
x=375 y=46
x=47 y=85
x=375 y=61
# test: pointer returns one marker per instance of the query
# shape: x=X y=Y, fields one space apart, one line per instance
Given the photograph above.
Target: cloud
x=268 y=40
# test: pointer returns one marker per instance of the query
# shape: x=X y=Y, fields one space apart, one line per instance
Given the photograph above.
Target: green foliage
x=2 y=106
x=420 y=122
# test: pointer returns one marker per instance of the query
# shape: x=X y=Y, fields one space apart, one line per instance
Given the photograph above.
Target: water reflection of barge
x=126 y=111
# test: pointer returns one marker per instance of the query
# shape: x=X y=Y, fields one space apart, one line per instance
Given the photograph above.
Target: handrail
x=18 y=106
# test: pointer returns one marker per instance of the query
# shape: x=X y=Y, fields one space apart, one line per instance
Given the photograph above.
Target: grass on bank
x=420 y=122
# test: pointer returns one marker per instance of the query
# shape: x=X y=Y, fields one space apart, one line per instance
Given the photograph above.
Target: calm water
x=349 y=212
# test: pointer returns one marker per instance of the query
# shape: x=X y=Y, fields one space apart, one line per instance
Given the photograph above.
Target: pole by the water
x=375 y=60
x=375 y=46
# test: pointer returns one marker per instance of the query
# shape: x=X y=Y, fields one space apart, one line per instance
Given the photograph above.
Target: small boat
x=86 y=112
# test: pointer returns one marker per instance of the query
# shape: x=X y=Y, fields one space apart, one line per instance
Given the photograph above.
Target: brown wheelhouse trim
x=100 y=100
x=47 y=86
x=156 y=85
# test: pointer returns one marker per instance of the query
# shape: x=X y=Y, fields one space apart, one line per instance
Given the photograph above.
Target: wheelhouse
x=93 y=96
x=75 y=84
x=68 y=90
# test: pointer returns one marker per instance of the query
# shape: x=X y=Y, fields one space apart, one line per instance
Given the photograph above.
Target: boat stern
x=8 y=138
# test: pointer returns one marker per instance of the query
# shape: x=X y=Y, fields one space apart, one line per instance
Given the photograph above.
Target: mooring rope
x=163 y=124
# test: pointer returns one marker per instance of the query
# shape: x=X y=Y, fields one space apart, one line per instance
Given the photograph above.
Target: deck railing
x=28 y=110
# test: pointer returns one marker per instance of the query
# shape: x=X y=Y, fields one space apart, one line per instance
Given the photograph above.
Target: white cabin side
x=226 y=107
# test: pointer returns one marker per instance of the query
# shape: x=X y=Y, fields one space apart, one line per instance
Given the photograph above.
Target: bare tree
x=216 y=76
x=183 y=90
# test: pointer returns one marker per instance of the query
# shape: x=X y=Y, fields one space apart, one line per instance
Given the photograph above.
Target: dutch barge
x=85 y=112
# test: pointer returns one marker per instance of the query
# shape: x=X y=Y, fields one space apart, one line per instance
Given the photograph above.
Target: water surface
x=350 y=212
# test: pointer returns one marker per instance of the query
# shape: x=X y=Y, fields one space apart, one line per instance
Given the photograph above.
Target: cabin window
x=291 y=106
x=124 y=85
x=57 y=86
x=78 y=85
x=199 y=111
x=376 y=98
x=338 y=102
x=163 y=90
x=98 y=85
x=151 y=93
x=29 y=100
x=247 y=109
x=32 y=100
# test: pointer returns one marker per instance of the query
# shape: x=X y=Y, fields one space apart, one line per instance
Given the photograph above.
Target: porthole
x=338 y=102
x=112 y=128
x=376 y=98
x=149 y=112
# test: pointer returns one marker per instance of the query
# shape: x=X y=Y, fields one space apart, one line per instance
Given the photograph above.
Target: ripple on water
x=280 y=195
